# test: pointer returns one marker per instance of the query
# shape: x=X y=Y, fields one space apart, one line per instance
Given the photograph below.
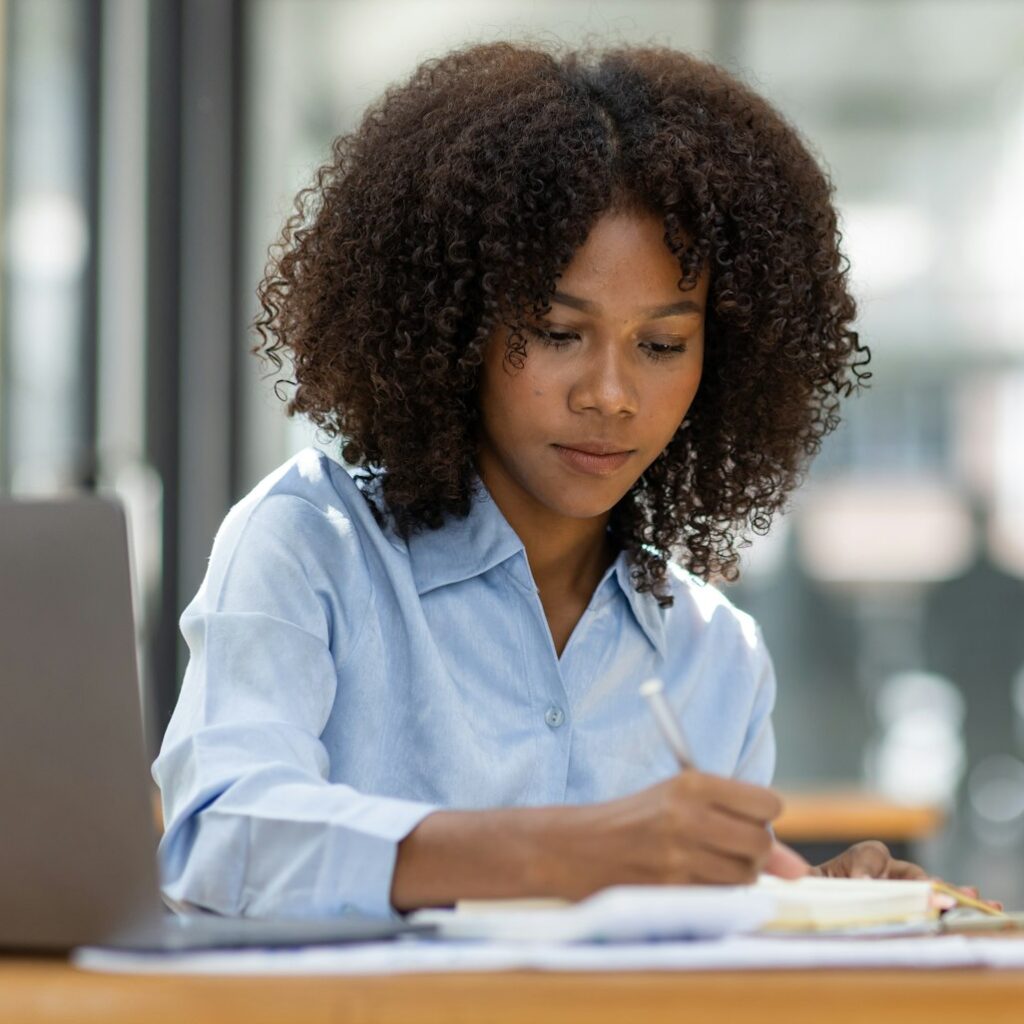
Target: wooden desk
x=37 y=990
x=847 y=815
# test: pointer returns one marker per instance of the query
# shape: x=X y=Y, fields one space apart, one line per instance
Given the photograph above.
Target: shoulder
x=702 y=610
x=299 y=548
x=308 y=508
x=309 y=487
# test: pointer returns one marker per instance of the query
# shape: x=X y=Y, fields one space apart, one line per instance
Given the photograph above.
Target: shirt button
x=554 y=716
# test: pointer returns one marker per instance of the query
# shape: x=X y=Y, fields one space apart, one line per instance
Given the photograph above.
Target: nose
x=604 y=383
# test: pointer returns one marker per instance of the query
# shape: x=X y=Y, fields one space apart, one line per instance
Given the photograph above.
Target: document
x=771 y=926
x=622 y=913
x=630 y=913
x=419 y=956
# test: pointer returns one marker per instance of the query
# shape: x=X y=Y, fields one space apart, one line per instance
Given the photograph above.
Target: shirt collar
x=650 y=616
x=466 y=547
x=463 y=547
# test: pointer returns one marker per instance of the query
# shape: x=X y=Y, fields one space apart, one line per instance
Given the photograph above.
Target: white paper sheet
x=1003 y=953
x=622 y=913
x=429 y=956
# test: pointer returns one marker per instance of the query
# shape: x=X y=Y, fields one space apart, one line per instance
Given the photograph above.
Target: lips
x=593 y=458
x=596 y=448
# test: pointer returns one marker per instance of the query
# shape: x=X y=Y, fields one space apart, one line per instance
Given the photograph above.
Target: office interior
x=150 y=154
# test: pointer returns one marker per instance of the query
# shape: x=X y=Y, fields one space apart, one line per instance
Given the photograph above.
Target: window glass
x=46 y=371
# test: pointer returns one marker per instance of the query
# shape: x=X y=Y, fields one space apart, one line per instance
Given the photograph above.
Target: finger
x=708 y=867
x=720 y=831
x=866 y=860
x=862 y=860
x=904 y=869
x=756 y=803
x=785 y=862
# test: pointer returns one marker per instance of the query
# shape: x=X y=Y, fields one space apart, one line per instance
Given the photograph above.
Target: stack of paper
x=832 y=904
x=619 y=914
x=634 y=913
x=740 y=953
x=609 y=932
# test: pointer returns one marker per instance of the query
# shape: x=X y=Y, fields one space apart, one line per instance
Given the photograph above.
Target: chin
x=583 y=499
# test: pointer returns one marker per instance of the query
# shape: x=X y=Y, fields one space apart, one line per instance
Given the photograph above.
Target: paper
x=739 y=953
x=399 y=957
x=620 y=914
x=630 y=913
x=817 y=904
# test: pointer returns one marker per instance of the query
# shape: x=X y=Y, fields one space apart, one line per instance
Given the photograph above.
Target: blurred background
x=151 y=151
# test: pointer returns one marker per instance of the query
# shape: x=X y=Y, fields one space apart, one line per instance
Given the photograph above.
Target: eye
x=663 y=349
x=554 y=338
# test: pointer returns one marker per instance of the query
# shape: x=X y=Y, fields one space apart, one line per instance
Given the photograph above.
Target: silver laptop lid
x=77 y=839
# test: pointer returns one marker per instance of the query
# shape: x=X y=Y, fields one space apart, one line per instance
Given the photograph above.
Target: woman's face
x=606 y=381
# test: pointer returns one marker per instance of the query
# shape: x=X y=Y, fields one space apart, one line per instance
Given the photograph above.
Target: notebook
x=830 y=904
x=639 y=913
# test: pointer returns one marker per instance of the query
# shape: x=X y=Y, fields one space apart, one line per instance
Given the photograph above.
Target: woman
x=570 y=315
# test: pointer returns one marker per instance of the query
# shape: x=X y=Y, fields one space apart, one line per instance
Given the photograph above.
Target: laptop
x=77 y=832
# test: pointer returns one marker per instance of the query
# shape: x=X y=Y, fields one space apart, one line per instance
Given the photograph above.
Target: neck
x=565 y=555
x=566 y=559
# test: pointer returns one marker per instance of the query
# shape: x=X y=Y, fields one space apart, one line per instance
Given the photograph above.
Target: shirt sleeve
x=756 y=762
x=253 y=826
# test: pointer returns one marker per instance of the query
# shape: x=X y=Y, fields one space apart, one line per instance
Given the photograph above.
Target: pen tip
x=651 y=687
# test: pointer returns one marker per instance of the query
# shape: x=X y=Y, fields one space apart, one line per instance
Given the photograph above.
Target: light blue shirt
x=344 y=683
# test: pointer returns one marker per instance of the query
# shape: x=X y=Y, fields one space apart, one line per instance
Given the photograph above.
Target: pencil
x=966 y=901
x=654 y=692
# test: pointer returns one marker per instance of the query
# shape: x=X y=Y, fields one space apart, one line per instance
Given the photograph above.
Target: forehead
x=624 y=258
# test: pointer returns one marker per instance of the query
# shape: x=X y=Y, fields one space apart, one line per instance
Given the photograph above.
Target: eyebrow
x=652 y=312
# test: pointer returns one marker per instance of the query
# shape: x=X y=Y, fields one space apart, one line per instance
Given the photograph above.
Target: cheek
x=671 y=400
x=514 y=403
x=533 y=386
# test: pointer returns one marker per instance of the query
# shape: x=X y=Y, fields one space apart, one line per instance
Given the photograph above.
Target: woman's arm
x=254 y=825
x=691 y=828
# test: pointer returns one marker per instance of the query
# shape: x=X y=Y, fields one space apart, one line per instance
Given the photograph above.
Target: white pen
x=654 y=692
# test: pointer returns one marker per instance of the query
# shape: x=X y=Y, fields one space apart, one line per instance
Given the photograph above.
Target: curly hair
x=459 y=200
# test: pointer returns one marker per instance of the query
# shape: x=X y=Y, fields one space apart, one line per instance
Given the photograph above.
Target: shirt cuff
x=360 y=855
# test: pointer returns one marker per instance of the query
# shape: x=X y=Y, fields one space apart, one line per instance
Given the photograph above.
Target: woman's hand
x=690 y=829
x=870 y=859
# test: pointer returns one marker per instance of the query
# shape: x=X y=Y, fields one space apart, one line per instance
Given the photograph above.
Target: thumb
x=785 y=862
